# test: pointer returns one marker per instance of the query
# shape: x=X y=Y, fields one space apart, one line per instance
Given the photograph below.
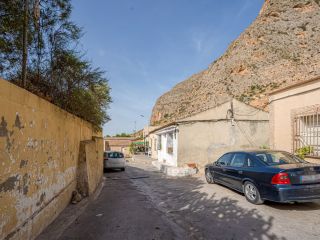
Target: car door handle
x=240 y=172
x=223 y=169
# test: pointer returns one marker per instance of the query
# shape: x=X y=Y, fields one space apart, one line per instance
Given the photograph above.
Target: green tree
x=123 y=135
x=56 y=70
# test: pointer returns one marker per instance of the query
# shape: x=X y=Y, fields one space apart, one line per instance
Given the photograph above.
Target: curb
x=68 y=216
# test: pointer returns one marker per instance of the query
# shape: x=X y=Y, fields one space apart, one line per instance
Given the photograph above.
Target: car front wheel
x=252 y=193
x=209 y=177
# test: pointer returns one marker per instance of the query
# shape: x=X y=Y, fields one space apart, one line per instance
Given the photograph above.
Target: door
x=235 y=170
x=219 y=167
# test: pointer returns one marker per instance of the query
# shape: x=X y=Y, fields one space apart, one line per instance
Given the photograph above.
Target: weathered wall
x=207 y=135
x=241 y=111
x=39 y=154
x=204 y=142
x=94 y=153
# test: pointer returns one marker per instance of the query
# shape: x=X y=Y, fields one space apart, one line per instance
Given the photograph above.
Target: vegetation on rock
x=280 y=48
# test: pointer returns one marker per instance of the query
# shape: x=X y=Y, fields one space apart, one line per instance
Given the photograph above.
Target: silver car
x=114 y=160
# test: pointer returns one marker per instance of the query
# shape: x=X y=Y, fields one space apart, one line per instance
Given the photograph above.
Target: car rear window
x=278 y=158
x=115 y=155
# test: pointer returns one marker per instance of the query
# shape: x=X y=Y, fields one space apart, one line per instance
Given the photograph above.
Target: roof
x=188 y=119
x=119 y=138
x=163 y=126
x=299 y=84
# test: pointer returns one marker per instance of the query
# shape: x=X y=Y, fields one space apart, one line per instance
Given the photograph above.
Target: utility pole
x=232 y=113
x=25 y=43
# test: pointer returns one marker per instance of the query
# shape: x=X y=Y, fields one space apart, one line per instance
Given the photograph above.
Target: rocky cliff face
x=281 y=47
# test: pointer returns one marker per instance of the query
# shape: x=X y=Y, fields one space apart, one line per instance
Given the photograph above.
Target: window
x=225 y=159
x=239 y=160
x=306 y=132
x=115 y=155
x=278 y=158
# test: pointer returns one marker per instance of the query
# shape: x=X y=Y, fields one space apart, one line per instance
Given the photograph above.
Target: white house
x=168 y=145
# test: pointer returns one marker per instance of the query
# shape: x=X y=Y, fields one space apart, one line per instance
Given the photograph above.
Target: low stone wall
x=174 y=171
x=40 y=161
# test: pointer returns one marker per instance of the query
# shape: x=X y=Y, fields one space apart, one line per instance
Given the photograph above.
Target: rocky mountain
x=281 y=47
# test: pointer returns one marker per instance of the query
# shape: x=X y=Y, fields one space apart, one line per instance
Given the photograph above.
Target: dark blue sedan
x=267 y=175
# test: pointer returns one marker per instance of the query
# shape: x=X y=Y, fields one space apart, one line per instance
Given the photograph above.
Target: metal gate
x=306 y=132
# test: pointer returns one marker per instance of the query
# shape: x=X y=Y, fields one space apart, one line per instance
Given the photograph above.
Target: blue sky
x=146 y=46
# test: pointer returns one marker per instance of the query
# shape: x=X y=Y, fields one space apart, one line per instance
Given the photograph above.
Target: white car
x=114 y=160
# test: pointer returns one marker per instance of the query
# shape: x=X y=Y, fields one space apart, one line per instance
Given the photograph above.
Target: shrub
x=304 y=151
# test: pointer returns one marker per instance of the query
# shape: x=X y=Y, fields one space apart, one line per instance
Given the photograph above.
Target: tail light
x=281 y=178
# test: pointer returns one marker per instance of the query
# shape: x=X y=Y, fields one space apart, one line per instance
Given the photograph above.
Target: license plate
x=310 y=178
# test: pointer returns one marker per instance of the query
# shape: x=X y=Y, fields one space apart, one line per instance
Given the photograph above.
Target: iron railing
x=306 y=132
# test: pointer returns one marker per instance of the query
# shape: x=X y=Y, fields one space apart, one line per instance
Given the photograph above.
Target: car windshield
x=278 y=158
x=115 y=155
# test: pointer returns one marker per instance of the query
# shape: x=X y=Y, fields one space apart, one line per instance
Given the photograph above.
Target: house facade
x=203 y=137
x=167 y=145
x=295 y=118
x=151 y=141
x=120 y=144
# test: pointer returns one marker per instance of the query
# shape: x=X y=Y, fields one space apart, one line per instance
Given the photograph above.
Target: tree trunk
x=25 y=43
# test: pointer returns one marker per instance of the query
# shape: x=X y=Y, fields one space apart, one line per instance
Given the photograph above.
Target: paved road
x=142 y=203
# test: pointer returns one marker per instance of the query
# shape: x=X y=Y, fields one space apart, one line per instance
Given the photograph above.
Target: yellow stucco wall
x=94 y=151
x=39 y=151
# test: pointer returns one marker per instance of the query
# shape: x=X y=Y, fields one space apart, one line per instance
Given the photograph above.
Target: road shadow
x=111 y=170
x=203 y=215
x=296 y=206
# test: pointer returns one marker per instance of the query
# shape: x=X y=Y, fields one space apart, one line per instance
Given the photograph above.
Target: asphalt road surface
x=142 y=203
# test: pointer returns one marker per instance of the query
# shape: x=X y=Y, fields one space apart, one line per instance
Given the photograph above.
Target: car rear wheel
x=209 y=177
x=252 y=193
